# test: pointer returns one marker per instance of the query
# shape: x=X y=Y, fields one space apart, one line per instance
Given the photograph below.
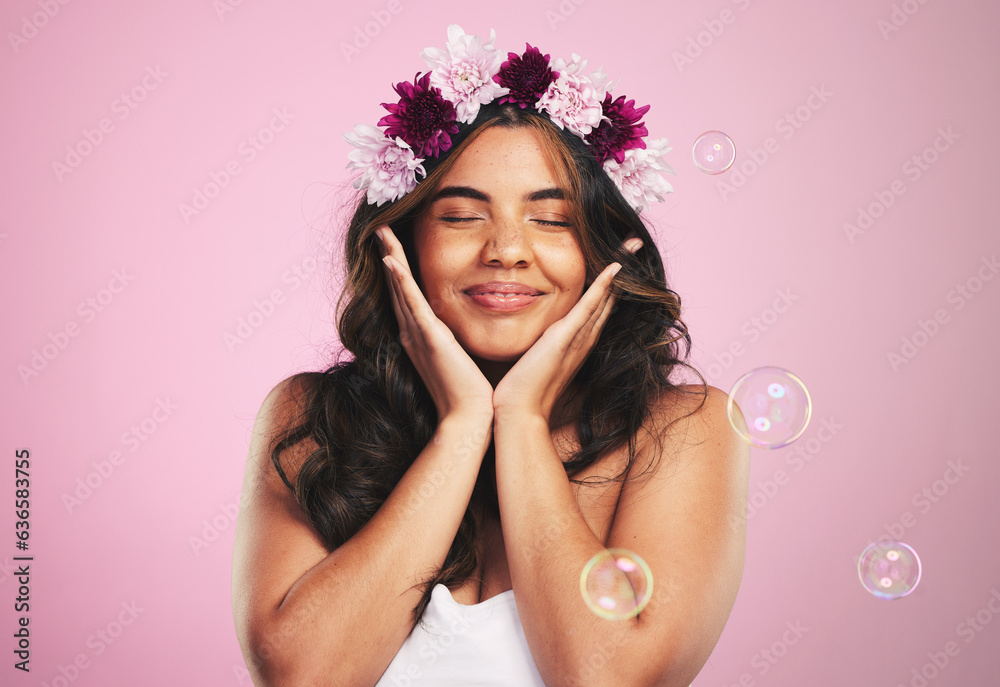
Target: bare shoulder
x=283 y=409
x=693 y=415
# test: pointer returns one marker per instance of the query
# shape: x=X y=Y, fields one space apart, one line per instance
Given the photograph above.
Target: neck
x=566 y=408
x=494 y=370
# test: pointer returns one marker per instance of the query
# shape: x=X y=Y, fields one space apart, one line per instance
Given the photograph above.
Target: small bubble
x=890 y=570
x=714 y=152
x=616 y=584
x=775 y=404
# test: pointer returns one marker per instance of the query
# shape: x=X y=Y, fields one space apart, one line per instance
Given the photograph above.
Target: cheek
x=572 y=266
x=440 y=271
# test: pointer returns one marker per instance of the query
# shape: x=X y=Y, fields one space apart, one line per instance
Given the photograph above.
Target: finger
x=604 y=306
x=405 y=303
x=603 y=287
x=424 y=321
x=585 y=315
x=403 y=319
x=609 y=306
x=632 y=245
x=394 y=248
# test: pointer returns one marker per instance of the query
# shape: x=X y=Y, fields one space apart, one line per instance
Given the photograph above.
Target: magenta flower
x=526 y=76
x=620 y=129
x=422 y=118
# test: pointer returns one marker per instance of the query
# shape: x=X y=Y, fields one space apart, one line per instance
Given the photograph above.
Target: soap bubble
x=714 y=152
x=775 y=405
x=616 y=584
x=889 y=570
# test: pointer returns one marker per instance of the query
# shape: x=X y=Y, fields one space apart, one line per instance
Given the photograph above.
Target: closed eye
x=545 y=222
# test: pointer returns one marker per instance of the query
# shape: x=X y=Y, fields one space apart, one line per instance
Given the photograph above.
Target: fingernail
x=385 y=261
x=378 y=232
x=615 y=269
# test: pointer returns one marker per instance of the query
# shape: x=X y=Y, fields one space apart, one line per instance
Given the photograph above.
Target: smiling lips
x=503 y=296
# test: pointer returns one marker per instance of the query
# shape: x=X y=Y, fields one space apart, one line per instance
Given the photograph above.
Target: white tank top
x=482 y=645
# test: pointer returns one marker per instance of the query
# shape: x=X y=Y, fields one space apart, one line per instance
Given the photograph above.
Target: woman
x=423 y=513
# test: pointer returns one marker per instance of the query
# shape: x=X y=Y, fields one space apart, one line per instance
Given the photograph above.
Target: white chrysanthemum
x=573 y=100
x=388 y=167
x=464 y=72
x=640 y=176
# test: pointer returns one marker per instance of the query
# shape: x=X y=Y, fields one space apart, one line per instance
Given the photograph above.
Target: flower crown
x=469 y=73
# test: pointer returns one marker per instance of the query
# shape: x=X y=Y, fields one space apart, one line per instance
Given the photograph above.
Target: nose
x=507 y=245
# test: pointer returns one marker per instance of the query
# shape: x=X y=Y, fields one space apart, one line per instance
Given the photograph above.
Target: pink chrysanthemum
x=573 y=100
x=464 y=71
x=422 y=117
x=388 y=167
x=639 y=176
x=620 y=129
x=526 y=76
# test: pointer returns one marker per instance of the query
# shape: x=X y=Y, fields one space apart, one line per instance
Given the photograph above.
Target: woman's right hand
x=455 y=382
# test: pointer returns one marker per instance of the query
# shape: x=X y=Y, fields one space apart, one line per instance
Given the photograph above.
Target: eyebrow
x=474 y=194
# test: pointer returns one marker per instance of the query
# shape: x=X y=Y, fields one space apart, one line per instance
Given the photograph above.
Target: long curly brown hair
x=372 y=415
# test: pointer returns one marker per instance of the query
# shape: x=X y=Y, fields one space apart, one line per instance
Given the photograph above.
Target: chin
x=485 y=348
x=506 y=355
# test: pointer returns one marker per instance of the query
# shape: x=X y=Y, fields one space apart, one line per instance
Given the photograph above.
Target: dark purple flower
x=620 y=131
x=422 y=118
x=527 y=76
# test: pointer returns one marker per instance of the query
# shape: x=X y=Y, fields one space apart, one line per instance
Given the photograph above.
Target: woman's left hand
x=534 y=383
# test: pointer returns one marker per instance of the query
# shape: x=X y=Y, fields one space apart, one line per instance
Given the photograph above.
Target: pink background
x=214 y=78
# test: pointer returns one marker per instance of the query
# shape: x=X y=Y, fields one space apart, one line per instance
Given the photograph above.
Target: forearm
x=368 y=582
x=548 y=544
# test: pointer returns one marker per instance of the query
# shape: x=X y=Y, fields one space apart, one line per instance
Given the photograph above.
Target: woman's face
x=498 y=216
